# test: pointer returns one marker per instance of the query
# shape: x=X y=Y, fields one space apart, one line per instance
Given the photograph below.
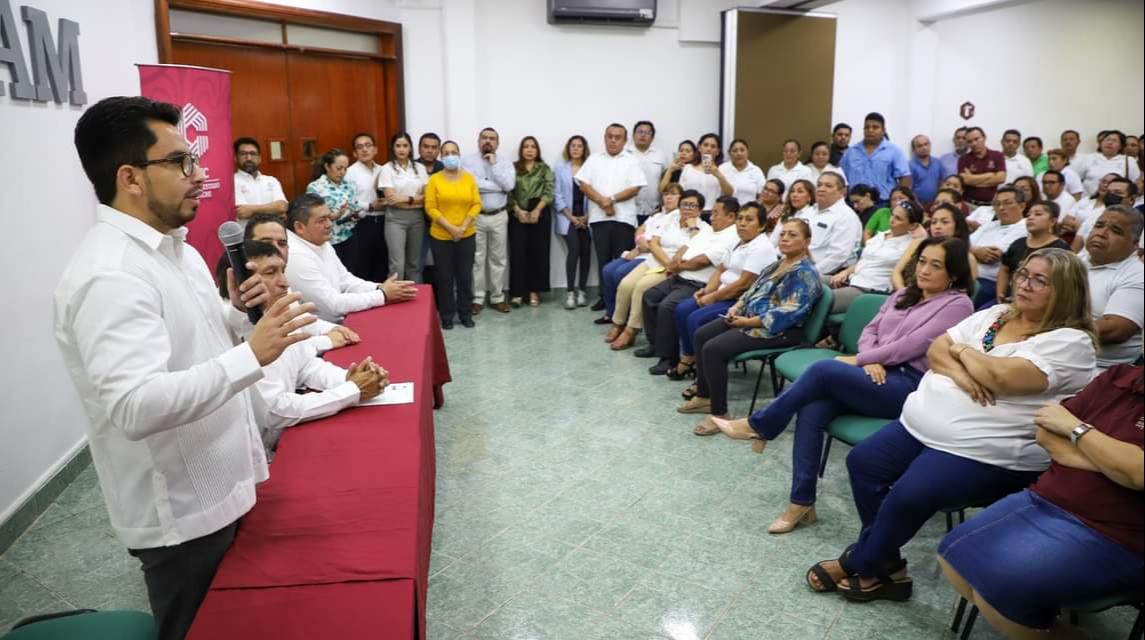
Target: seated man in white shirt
x=1116 y=284
x=255 y=192
x=1119 y=191
x=990 y=242
x=835 y=228
x=318 y=274
x=277 y=403
x=1053 y=189
x=271 y=229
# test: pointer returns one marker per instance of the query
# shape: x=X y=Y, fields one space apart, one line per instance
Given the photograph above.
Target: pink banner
x=204 y=95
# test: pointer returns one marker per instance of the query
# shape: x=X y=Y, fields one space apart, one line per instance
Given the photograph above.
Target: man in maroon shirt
x=982 y=169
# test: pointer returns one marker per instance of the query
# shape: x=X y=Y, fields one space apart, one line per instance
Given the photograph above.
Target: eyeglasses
x=248 y=154
x=689 y=205
x=1005 y=203
x=1034 y=282
x=186 y=161
x=364 y=145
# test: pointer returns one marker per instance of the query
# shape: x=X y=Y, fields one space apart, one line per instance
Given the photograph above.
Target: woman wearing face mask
x=791 y=169
x=800 y=198
x=946 y=221
x=872 y=273
x=402 y=182
x=703 y=174
x=1041 y=220
x=820 y=161
x=745 y=175
x=452 y=203
x=331 y=185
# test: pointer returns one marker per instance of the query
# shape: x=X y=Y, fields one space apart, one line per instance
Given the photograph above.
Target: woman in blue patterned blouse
x=767 y=315
x=340 y=195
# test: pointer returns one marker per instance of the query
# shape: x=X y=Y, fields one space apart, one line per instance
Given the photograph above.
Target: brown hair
x=1068 y=306
x=520 y=163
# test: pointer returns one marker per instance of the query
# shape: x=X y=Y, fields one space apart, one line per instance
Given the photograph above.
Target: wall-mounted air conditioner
x=621 y=12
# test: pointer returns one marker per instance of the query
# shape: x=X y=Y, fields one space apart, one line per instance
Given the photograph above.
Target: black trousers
x=178 y=578
x=611 y=239
x=716 y=345
x=659 y=314
x=529 y=254
x=453 y=268
x=579 y=259
x=372 y=256
x=347 y=251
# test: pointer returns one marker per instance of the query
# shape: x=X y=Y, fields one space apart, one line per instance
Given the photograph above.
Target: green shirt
x=880 y=221
x=538 y=183
x=1041 y=165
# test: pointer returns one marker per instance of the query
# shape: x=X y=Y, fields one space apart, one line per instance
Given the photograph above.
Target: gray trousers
x=405 y=231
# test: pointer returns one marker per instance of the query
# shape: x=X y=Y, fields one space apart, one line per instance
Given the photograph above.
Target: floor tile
x=21 y=597
x=671 y=607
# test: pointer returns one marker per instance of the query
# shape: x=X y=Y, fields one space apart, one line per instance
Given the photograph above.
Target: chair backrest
x=813 y=326
x=862 y=310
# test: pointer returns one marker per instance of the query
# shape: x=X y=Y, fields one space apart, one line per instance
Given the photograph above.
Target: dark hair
x=298 y=211
x=738 y=141
x=647 y=122
x=431 y=136
x=221 y=276
x=913 y=211
x=1061 y=177
x=362 y=134
x=954 y=195
x=731 y=203
x=910 y=195
x=1073 y=131
x=804 y=228
x=325 y=159
x=962 y=129
x=717 y=159
x=1019 y=196
x=841 y=125
x=617 y=125
x=490 y=130
x=1132 y=190
x=254 y=249
x=957 y=263
x=261 y=218
x=695 y=149
x=114 y=132
x=246 y=140
x=815 y=145
x=519 y=163
x=788 y=211
x=875 y=116
x=692 y=193
x=961 y=182
x=961 y=228
x=1135 y=219
x=393 y=141
x=970 y=130
x=1052 y=207
x=452 y=142
x=752 y=205
x=1035 y=189
x=798 y=144
x=1013 y=132
x=839 y=181
x=1035 y=139
x=584 y=143
x=779 y=183
x=864 y=190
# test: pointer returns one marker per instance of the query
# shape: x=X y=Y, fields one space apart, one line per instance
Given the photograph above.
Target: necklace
x=992 y=332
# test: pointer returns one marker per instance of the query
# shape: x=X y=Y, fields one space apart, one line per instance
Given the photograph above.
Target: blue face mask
x=451 y=162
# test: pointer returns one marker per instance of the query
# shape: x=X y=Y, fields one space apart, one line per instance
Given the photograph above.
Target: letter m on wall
x=55 y=71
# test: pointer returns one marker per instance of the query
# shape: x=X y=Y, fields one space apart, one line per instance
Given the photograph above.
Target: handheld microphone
x=231 y=235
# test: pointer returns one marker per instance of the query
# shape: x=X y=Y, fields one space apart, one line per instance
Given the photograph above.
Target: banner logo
x=194 y=120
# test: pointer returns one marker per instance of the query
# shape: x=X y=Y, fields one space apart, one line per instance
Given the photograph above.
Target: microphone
x=231 y=235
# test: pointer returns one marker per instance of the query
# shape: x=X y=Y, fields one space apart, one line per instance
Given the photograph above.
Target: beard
x=171 y=214
x=486 y=148
x=249 y=167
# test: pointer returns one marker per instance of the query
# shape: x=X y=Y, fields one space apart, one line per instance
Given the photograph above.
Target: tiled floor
x=572 y=502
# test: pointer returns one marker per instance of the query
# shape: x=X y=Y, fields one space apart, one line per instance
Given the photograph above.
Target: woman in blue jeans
x=876 y=382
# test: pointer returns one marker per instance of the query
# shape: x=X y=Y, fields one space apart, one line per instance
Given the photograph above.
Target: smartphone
x=707 y=160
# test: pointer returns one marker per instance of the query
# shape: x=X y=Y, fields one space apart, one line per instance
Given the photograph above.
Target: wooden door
x=260 y=98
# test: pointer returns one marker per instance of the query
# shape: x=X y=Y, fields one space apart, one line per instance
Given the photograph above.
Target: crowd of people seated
x=1010 y=282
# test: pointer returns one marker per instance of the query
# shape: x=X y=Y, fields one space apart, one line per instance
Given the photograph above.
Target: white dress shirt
x=880 y=256
x=1118 y=289
x=716 y=245
x=153 y=355
x=748 y=183
x=995 y=234
x=407 y=182
x=835 y=235
x=609 y=175
x=982 y=214
x=365 y=181
x=1017 y=166
x=317 y=273
x=1073 y=184
x=753 y=257
x=1066 y=203
x=258 y=189
x=672 y=236
x=1096 y=166
x=280 y=406
x=693 y=177
x=494 y=181
x=652 y=161
x=788 y=176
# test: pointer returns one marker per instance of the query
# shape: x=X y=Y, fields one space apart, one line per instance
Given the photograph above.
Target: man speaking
x=153 y=355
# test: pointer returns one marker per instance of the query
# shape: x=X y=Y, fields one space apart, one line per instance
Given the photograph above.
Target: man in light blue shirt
x=877 y=161
x=949 y=161
x=925 y=171
x=495 y=177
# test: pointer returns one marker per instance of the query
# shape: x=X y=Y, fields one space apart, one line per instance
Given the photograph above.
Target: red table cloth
x=346 y=518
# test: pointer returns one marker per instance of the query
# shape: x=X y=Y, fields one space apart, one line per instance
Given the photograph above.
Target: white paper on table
x=395 y=393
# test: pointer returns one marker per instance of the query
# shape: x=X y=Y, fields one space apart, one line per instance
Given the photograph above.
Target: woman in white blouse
x=872 y=273
x=402 y=182
x=1108 y=159
x=746 y=177
x=791 y=169
x=967 y=435
x=820 y=162
x=800 y=198
x=703 y=174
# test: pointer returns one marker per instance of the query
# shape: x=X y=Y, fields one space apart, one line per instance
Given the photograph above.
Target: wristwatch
x=1079 y=431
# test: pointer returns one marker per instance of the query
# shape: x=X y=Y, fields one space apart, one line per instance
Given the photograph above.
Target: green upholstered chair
x=864 y=308
x=86 y=624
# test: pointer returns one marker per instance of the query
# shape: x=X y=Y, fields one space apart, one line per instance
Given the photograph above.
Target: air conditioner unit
x=620 y=12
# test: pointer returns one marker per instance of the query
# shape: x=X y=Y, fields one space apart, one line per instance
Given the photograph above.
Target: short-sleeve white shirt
x=1118 y=289
x=1017 y=167
x=406 y=182
x=672 y=236
x=788 y=176
x=716 y=245
x=256 y=190
x=693 y=177
x=830 y=168
x=1066 y=203
x=993 y=234
x=748 y=183
x=1098 y=166
x=652 y=161
x=365 y=181
x=752 y=257
x=942 y=416
x=880 y=256
x=609 y=175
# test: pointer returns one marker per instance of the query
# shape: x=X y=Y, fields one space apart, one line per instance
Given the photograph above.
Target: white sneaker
x=570 y=300
x=581 y=298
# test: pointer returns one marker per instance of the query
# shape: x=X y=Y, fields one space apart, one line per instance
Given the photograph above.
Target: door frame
x=389 y=35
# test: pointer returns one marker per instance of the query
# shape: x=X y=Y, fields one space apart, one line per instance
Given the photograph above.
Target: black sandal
x=828 y=583
x=689 y=372
x=689 y=393
x=887 y=588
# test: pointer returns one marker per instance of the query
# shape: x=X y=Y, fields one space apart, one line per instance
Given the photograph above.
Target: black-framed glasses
x=689 y=205
x=186 y=161
x=1035 y=282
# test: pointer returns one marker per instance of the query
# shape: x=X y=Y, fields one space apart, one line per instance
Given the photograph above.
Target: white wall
x=48 y=204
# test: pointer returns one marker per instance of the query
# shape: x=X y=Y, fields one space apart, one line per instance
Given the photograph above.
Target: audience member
x=990 y=242
x=495 y=180
x=255 y=192
x=1059 y=161
x=1070 y=141
x=530 y=228
x=685 y=154
x=572 y=221
x=690 y=270
x=875 y=382
x=767 y=315
x=1041 y=220
x=1088 y=208
x=880 y=221
x=317 y=273
x=341 y=200
x=818 y=161
x=800 y=199
x=771 y=197
x=956 y=184
x=925 y=171
x=703 y=174
x=652 y=161
x=878 y=161
x=967 y=434
x=949 y=160
x=1017 y=165
x=1108 y=159
x=374 y=258
x=835 y=229
x=946 y=221
x=1033 y=148
x=1075 y=535
x=1132 y=149
x=746 y=177
x=611 y=179
x=790 y=168
x=884 y=250
x=981 y=169
x=453 y=204
x=1116 y=284
x=840 y=142
x=428 y=150
x=402 y=183
x=1028 y=185
x=1053 y=189
x=1119 y=191
x=864 y=201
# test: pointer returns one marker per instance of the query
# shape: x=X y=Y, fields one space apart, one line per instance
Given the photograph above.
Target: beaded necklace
x=992 y=332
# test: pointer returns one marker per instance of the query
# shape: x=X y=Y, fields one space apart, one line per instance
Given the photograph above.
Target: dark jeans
x=347 y=251
x=453 y=267
x=529 y=255
x=659 y=314
x=611 y=239
x=372 y=255
x=579 y=259
x=986 y=296
x=689 y=317
x=716 y=345
x=827 y=389
x=610 y=278
x=898 y=484
x=178 y=577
